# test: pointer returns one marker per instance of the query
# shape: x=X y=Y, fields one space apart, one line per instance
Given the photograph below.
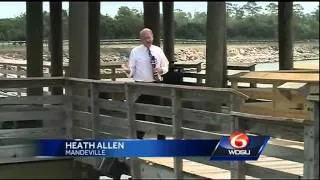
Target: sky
x=13 y=9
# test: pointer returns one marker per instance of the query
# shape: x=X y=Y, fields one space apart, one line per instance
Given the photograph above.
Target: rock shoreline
x=259 y=53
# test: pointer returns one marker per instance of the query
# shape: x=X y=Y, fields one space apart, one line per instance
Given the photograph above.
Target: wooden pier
x=291 y=153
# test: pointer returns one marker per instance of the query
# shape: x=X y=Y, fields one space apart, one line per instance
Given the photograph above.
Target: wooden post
x=285 y=35
x=131 y=115
x=5 y=67
x=94 y=95
x=113 y=73
x=234 y=84
x=19 y=71
x=68 y=109
x=55 y=43
x=78 y=45
x=311 y=140
x=151 y=17
x=225 y=58
x=94 y=40
x=177 y=130
x=34 y=28
x=168 y=31
x=34 y=50
x=253 y=68
x=238 y=168
x=78 y=39
x=94 y=109
x=216 y=29
x=275 y=96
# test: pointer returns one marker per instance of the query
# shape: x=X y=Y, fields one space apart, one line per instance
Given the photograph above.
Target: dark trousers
x=146 y=99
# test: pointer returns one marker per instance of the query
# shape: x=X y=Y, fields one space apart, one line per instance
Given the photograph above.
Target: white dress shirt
x=140 y=63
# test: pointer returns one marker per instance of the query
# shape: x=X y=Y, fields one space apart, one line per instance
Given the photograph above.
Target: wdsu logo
x=239 y=146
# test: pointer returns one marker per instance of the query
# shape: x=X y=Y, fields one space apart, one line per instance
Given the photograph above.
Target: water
x=275 y=66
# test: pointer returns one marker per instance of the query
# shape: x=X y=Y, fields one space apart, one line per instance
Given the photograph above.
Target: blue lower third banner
x=227 y=148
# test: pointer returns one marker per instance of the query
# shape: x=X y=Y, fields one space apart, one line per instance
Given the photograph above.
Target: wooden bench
x=288 y=93
x=306 y=67
x=196 y=65
x=242 y=66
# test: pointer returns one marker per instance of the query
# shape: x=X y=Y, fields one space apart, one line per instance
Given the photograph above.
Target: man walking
x=147 y=63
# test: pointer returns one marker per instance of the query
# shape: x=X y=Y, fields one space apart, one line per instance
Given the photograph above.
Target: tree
x=315 y=13
x=65 y=24
x=199 y=18
x=107 y=27
x=272 y=8
x=252 y=8
x=230 y=9
x=129 y=23
x=239 y=12
x=298 y=10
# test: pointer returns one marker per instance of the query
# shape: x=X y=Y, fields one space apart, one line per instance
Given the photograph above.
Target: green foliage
x=243 y=22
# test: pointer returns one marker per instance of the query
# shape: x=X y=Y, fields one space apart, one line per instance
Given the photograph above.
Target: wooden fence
x=101 y=114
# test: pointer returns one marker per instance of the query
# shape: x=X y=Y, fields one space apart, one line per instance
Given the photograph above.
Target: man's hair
x=144 y=31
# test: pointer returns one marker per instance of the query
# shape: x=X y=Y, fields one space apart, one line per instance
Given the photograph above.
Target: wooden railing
x=201 y=76
x=191 y=70
x=18 y=68
x=108 y=111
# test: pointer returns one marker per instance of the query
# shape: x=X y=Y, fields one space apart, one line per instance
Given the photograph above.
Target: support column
x=225 y=59
x=168 y=31
x=34 y=30
x=78 y=39
x=94 y=40
x=78 y=47
x=55 y=43
x=152 y=19
x=285 y=35
x=215 y=58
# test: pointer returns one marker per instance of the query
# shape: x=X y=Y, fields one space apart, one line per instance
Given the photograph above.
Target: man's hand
x=158 y=71
x=125 y=68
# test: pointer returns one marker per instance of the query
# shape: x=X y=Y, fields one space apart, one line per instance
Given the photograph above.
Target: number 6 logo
x=239 y=140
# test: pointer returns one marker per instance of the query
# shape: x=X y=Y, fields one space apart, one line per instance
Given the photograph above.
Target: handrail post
x=113 y=73
x=134 y=164
x=238 y=168
x=253 y=68
x=19 y=70
x=94 y=95
x=311 y=140
x=5 y=75
x=69 y=109
x=177 y=130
